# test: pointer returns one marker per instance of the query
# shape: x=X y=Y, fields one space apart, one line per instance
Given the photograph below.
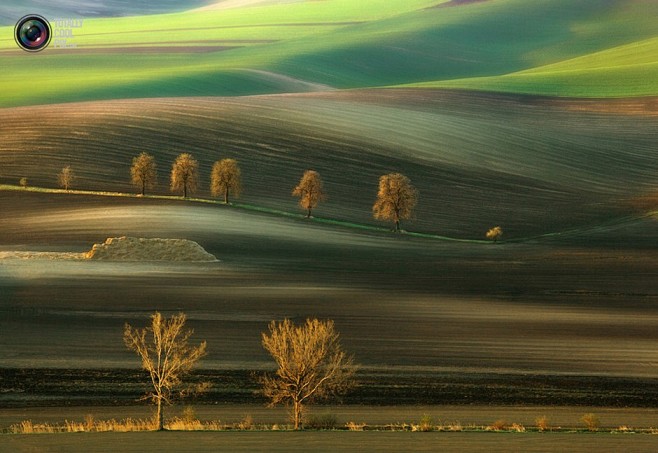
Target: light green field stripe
x=623 y=71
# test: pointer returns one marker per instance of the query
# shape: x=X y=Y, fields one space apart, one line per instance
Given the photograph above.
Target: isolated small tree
x=23 y=182
x=396 y=199
x=495 y=234
x=225 y=178
x=311 y=364
x=310 y=191
x=184 y=174
x=143 y=172
x=66 y=178
x=166 y=356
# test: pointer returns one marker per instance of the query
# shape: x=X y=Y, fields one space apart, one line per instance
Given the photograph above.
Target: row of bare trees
x=396 y=198
x=225 y=177
x=311 y=364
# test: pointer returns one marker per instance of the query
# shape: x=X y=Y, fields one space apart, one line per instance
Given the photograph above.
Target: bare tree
x=224 y=178
x=495 y=234
x=166 y=355
x=66 y=178
x=311 y=364
x=396 y=199
x=143 y=172
x=184 y=174
x=310 y=191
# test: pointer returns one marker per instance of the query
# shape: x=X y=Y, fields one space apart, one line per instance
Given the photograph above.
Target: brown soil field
x=534 y=165
x=559 y=319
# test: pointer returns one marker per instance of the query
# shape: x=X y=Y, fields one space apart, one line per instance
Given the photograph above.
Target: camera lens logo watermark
x=34 y=33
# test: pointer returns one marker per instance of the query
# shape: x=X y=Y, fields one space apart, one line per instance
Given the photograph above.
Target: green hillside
x=505 y=45
x=629 y=70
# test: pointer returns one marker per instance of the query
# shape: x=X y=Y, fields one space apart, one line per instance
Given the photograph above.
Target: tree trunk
x=160 y=416
x=397 y=225
x=308 y=214
x=226 y=196
x=297 y=413
x=185 y=190
x=143 y=187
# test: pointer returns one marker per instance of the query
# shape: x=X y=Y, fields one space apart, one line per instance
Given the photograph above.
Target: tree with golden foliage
x=396 y=199
x=66 y=178
x=225 y=178
x=311 y=365
x=184 y=174
x=166 y=356
x=310 y=191
x=143 y=172
x=494 y=234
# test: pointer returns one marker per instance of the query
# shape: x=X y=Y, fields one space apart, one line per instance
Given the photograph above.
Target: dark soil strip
x=80 y=387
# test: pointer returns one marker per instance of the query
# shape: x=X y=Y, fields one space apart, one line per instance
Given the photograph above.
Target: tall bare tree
x=224 y=178
x=66 y=178
x=311 y=364
x=310 y=191
x=166 y=356
x=396 y=199
x=143 y=172
x=184 y=174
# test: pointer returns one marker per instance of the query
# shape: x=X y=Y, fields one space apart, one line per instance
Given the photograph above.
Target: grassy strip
x=242 y=206
x=330 y=424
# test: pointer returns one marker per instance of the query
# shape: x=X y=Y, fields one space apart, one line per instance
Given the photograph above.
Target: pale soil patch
x=126 y=249
x=42 y=255
x=144 y=249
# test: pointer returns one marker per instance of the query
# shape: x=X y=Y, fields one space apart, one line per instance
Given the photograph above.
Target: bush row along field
x=300 y=46
x=589 y=422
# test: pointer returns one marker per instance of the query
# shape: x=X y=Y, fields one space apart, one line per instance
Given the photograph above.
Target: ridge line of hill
x=327 y=221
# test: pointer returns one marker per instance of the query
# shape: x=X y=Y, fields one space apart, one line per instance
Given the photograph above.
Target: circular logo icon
x=32 y=33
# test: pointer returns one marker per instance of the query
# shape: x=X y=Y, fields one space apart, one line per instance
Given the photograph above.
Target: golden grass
x=88 y=425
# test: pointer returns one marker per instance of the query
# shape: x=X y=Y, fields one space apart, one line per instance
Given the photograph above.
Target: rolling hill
x=534 y=165
x=547 y=47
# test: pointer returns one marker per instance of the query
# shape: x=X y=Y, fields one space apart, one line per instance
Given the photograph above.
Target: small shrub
x=425 y=424
x=89 y=422
x=74 y=427
x=189 y=415
x=182 y=424
x=247 y=423
x=355 y=426
x=23 y=182
x=494 y=234
x=324 y=421
x=452 y=426
x=498 y=425
x=542 y=423
x=591 y=421
x=519 y=428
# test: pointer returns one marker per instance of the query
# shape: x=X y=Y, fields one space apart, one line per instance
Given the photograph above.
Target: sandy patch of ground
x=126 y=249
x=143 y=249
x=42 y=255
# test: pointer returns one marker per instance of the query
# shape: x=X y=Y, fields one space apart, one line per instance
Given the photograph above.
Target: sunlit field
x=540 y=118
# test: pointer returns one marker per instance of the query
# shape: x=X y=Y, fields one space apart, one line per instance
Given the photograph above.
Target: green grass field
x=557 y=47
